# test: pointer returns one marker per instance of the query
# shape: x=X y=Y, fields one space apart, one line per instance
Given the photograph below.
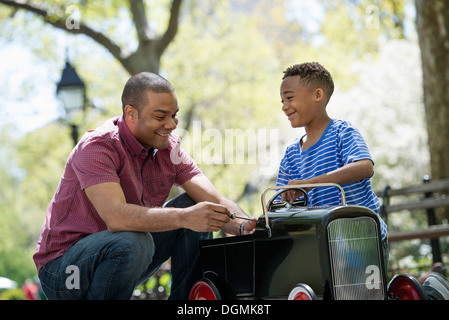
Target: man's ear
x=131 y=113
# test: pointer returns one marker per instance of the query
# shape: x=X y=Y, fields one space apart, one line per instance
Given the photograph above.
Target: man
x=107 y=228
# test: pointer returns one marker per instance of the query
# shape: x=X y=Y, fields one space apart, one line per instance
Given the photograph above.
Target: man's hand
x=205 y=217
x=248 y=227
x=202 y=191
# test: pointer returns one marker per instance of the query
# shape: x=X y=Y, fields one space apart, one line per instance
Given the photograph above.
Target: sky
x=20 y=68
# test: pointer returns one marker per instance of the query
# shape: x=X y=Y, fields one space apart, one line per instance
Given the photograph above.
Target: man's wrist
x=242 y=228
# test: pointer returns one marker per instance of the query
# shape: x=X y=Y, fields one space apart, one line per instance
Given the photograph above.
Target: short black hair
x=136 y=87
x=312 y=74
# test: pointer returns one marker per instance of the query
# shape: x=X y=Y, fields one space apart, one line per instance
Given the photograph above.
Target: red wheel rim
x=301 y=296
x=202 y=291
x=301 y=292
x=404 y=288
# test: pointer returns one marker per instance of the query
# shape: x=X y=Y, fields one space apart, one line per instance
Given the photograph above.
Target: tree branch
x=140 y=20
x=57 y=22
x=146 y=57
x=172 y=27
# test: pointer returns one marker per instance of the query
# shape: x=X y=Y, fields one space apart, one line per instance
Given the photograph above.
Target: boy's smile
x=290 y=115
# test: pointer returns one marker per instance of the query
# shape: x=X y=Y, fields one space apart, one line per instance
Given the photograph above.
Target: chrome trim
x=293 y=186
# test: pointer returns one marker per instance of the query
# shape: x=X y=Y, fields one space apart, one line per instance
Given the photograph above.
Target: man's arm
x=110 y=203
x=200 y=188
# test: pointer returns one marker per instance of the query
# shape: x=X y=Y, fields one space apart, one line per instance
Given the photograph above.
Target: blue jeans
x=107 y=265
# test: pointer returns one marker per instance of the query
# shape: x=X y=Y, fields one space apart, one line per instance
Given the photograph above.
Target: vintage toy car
x=301 y=252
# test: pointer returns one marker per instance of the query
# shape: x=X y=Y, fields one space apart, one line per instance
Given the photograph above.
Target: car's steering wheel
x=273 y=205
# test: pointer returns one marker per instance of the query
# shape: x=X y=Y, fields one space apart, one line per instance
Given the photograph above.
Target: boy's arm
x=354 y=171
x=351 y=172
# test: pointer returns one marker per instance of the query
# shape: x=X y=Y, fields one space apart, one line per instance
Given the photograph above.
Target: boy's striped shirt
x=340 y=144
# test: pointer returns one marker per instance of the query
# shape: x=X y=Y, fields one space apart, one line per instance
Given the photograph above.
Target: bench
x=428 y=201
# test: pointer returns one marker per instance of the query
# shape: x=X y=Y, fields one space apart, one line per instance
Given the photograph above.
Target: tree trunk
x=432 y=20
x=433 y=30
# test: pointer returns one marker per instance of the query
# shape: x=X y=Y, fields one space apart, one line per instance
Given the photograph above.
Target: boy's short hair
x=312 y=74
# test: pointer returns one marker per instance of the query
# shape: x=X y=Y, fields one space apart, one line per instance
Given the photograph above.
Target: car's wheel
x=302 y=292
x=204 y=289
x=405 y=287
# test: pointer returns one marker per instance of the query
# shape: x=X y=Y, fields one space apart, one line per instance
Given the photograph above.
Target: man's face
x=297 y=102
x=158 y=118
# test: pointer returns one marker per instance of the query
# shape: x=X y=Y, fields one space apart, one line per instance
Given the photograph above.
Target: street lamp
x=72 y=93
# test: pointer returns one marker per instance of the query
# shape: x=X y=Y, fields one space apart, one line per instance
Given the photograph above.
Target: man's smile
x=162 y=134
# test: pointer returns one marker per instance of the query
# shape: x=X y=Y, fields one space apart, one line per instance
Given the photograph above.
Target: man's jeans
x=108 y=265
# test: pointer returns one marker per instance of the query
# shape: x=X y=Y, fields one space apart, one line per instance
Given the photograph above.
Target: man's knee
x=126 y=263
x=138 y=244
x=198 y=236
x=181 y=201
x=108 y=266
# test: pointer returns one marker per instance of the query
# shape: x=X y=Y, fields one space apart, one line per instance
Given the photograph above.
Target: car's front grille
x=354 y=258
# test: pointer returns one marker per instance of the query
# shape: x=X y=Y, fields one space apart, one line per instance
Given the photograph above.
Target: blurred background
x=226 y=61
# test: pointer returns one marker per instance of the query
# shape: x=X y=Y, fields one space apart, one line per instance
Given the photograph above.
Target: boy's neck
x=314 y=131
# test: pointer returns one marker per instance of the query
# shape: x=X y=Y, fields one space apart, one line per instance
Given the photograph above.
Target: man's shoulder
x=104 y=137
x=108 y=133
x=108 y=130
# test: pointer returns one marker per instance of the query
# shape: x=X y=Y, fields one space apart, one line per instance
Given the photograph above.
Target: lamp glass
x=72 y=98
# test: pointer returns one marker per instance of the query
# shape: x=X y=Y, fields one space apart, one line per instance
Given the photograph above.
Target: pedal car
x=301 y=252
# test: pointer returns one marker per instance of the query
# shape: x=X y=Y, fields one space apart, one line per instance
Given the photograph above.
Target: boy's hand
x=291 y=195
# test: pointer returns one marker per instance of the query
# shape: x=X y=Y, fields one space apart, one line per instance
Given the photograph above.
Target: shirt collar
x=133 y=145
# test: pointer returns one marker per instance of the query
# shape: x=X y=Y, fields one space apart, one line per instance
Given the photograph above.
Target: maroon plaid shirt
x=109 y=153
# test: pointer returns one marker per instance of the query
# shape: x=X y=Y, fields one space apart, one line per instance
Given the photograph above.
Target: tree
x=220 y=87
x=150 y=46
x=15 y=249
x=432 y=22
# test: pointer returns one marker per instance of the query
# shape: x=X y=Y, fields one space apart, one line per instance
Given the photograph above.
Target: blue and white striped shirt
x=339 y=145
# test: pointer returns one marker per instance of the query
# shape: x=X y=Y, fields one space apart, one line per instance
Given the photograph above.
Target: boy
x=330 y=151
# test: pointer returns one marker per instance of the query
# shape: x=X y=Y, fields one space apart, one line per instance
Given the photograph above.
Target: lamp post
x=71 y=91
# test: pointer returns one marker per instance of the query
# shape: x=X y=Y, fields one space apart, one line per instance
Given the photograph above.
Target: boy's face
x=298 y=102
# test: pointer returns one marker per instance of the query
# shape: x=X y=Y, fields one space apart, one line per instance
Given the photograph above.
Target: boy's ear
x=318 y=94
